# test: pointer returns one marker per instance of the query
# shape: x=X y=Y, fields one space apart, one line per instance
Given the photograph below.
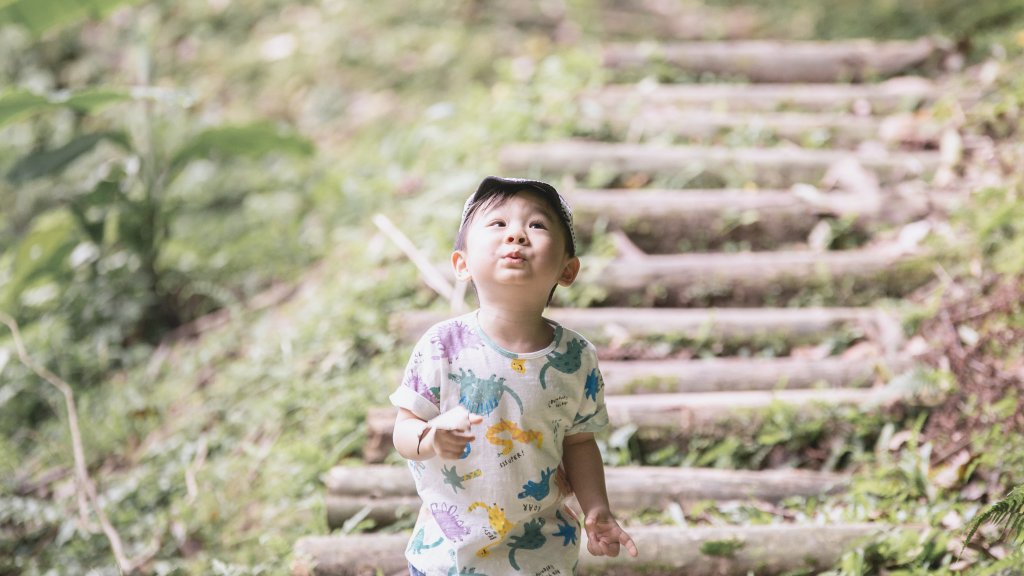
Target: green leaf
x=98 y=98
x=41 y=252
x=251 y=141
x=1007 y=513
x=17 y=104
x=722 y=548
x=105 y=195
x=53 y=162
x=41 y=16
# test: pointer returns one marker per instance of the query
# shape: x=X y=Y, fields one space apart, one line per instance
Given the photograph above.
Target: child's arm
x=413 y=444
x=583 y=466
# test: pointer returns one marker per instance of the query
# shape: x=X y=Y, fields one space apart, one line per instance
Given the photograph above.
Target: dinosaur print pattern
x=531 y=539
x=417 y=546
x=566 y=529
x=593 y=385
x=567 y=362
x=453 y=338
x=538 y=490
x=497 y=521
x=449 y=522
x=414 y=381
x=455 y=480
x=517 y=434
x=518 y=366
x=499 y=509
x=481 y=396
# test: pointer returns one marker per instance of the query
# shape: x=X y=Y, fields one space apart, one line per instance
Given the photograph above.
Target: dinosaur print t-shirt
x=499 y=509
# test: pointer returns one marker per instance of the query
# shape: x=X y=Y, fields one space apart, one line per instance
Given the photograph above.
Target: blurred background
x=186 y=193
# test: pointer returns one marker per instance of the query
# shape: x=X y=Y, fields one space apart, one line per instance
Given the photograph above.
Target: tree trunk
x=739 y=374
x=750 y=278
x=774 y=61
x=386 y=493
x=664 y=551
x=669 y=221
x=895 y=95
x=768 y=167
x=601 y=325
x=677 y=415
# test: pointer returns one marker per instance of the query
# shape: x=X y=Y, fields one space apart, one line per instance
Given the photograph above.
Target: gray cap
x=492 y=184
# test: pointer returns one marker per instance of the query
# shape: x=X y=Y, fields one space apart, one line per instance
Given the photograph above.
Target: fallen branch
x=190 y=473
x=431 y=276
x=85 y=484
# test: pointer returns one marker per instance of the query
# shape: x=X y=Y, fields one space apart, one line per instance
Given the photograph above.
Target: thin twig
x=625 y=246
x=190 y=472
x=81 y=471
x=431 y=276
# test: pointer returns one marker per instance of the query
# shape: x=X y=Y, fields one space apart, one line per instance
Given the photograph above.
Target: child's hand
x=452 y=432
x=604 y=536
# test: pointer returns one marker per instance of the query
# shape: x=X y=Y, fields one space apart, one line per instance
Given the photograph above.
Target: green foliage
x=127 y=210
x=900 y=551
x=41 y=16
x=1007 y=513
x=15 y=105
x=722 y=548
x=888 y=19
x=997 y=219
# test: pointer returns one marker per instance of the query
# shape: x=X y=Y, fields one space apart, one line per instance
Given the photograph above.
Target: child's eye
x=498 y=223
x=540 y=225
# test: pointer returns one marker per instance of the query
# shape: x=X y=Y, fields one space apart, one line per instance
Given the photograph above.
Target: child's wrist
x=600 y=511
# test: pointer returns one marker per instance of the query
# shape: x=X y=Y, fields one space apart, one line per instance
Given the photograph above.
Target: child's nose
x=516 y=237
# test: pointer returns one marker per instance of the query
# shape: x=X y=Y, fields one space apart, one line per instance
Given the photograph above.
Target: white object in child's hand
x=455 y=419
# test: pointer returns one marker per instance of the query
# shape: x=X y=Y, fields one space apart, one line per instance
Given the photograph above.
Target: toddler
x=498 y=408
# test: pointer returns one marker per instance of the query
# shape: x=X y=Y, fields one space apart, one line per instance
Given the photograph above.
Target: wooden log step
x=385 y=493
x=836 y=130
x=665 y=550
x=769 y=167
x=664 y=221
x=893 y=95
x=738 y=374
x=693 y=23
x=746 y=278
x=601 y=325
x=675 y=415
x=778 y=61
x=682 y=414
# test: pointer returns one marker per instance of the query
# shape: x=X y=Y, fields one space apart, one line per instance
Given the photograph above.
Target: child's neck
x=519 y=330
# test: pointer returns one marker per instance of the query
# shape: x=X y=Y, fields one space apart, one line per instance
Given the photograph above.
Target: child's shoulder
x=567 y=337
x=450 y=336
x=464 y=324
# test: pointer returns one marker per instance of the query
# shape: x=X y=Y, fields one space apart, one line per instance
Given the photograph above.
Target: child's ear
x=460 y=266
x=569 y=273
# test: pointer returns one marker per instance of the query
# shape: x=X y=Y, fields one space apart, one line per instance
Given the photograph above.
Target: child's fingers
x=471 y=419
x=611 y=548
x=626 y=541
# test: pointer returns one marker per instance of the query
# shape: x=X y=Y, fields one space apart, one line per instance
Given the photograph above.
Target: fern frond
x=1008 y=513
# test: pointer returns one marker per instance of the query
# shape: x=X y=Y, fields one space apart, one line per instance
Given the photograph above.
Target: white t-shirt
x=500 y=508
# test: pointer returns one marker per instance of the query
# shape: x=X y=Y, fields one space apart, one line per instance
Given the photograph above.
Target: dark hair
x=497 y=197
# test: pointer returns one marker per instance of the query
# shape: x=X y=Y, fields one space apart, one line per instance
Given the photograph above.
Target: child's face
x=515 y=251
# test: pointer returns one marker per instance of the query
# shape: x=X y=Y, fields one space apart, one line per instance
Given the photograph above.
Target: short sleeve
x=592 y=415
x=420 y=389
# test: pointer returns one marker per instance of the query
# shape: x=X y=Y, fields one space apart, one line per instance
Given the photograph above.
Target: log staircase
x=720 y=247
